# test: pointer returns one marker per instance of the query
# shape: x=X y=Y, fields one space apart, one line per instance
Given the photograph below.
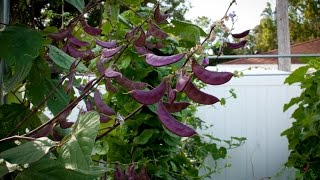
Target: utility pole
x=283 y=32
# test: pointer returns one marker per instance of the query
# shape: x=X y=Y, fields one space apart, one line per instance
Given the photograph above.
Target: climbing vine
x=134 y=79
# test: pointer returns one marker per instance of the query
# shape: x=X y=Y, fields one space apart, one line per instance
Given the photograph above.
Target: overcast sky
x=248 y=11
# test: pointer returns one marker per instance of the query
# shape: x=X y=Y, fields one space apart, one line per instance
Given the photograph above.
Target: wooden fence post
x=283 y=32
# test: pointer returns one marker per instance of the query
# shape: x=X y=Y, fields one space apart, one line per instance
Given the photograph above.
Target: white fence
x=257 y=114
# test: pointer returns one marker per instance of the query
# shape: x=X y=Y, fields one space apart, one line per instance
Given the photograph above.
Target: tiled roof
x=308 y=47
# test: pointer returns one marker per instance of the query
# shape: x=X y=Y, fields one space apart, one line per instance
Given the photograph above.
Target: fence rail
x=262 y=56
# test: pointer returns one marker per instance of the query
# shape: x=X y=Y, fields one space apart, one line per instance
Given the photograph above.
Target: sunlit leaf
x=28 y=152
x=79 y=4
x=64 y=60
x=188 y=33
x=21 y=71
x=76 y=152
x=50 y=169
x=297 y=75
x=6 y=167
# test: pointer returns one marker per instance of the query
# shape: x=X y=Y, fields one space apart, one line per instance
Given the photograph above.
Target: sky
x=248 y=11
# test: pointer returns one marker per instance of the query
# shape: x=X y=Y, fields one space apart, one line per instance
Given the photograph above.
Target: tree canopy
x=304 y=24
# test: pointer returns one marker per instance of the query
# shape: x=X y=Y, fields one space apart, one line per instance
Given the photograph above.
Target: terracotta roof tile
x=307 y=47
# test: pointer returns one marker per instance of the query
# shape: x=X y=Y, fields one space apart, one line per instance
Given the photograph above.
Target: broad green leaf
x=64 y=60
x=114 y=10
x=6 y=167
x=76 y=152
x=12 y=114
x=171 y=141
x=79 y=4
x=106 y=28
x=71 y=154
x=3 y=168
x=144 y=136
x=21 y=71
x=12 y=97
x=129 y=16
x=188 y=33
x=19 y=45
x=50 y=169
x=28 y=152
x=297 y=76
x=124 y=62
x=59 y=100
x=132 y=3
x=38 y=89
x=292 y=102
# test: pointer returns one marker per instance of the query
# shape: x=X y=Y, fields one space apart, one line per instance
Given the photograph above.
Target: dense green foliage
x=43 y=76
x=304 y=24
x=303 y=136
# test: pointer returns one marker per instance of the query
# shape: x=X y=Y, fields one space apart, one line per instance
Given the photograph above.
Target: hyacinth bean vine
x=146 y=72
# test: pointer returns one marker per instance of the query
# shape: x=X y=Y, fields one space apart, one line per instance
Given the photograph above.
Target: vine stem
x=35 y=110
x=208 y=36
x=71 y=105
x=74 y=103
x=117 y=124
x=16 y=138
x=140 y=107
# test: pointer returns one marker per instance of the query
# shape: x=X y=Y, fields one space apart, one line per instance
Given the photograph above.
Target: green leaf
x=38 y=89
x=19 y=45
x=297 y=76
x=28 y=152
x=223 y=101
x=21 y=71
x=50 y=169
x=79 y=4
x=6 y=167
x=76 y=152
x=106 y=28
x=124 y=62
x=188 y=33
x=132 y=3
x=59 y=100
x=64 y=60
x=144 y=136
x=113 y=9
x=292 y=102
x=3 y=168
x=12 y=114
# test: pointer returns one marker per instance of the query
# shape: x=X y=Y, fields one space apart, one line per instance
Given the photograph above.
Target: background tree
x=266 y=32
x=304 y=24
x=304 y=16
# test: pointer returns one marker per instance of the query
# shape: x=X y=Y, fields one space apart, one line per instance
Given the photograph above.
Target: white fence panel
x=257 y=114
